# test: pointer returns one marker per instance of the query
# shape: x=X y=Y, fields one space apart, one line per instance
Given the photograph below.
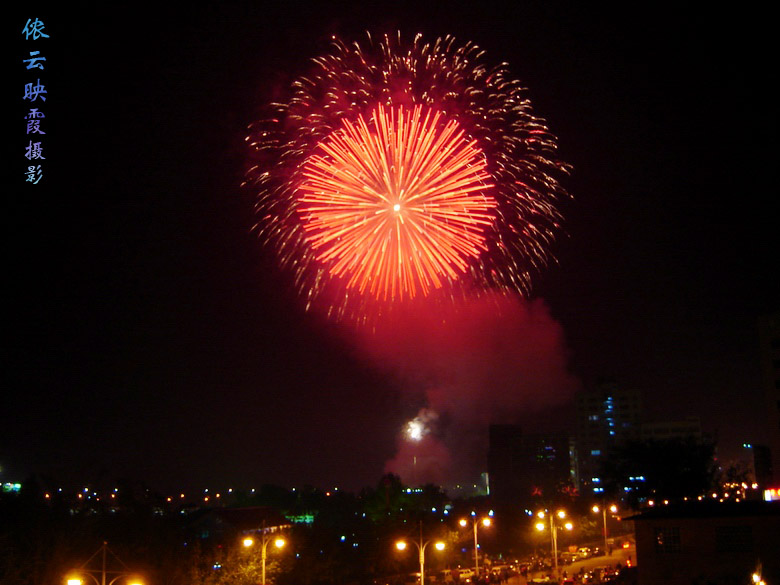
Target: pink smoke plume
x=493 y=359
x=426 y=461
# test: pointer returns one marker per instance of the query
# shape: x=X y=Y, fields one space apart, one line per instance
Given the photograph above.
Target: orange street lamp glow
x=264 y=541
x=561 y=514
x=485 y=522
x=421 y=546
x=98 y=573
x=603 y=509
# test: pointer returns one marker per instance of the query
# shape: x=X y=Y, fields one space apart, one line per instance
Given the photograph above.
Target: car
x=599 y=574
x=567 y=558
x=584 y=552
x=502 y=571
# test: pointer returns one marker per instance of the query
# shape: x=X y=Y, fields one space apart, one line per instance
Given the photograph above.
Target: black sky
x=149 y=333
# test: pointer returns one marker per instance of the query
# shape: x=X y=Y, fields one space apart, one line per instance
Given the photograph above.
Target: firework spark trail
x=396 y=170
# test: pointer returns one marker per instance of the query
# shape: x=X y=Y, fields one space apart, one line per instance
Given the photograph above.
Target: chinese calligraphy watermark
x=33 y=91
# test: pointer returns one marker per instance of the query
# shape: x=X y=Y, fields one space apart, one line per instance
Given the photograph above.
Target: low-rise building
x=713 y=543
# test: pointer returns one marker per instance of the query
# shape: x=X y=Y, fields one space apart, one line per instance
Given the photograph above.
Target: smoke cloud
x=492 y=359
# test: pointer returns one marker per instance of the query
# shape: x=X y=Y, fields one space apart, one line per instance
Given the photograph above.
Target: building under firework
x=524 y=468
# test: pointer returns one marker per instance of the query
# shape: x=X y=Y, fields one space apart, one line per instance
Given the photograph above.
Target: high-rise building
x=762 y=465
x=607 y=416
x=769 y=338
x=689 y=428
x=524 y=467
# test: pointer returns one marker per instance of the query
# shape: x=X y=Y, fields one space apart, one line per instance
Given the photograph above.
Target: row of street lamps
x=561 y=515
x=105 y=575
x=439 y=545
x=556 y=522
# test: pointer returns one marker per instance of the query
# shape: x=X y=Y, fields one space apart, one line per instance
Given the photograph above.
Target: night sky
x=149 y=333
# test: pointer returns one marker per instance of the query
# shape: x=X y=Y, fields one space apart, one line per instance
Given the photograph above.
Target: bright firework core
x=415 y=430
x=396 y=205
x=421 y=425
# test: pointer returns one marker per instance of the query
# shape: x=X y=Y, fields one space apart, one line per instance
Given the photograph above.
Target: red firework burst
x=395 y=171
x=397 y=204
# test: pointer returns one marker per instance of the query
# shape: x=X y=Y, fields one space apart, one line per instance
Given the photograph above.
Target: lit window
x=667 y=539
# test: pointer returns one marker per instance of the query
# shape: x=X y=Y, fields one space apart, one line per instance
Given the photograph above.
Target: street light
x=613 y=509
x=485 y=522
x=249 y=542
x=76 y=579
x=421 y=546
x=108 y=576
x=553 y=533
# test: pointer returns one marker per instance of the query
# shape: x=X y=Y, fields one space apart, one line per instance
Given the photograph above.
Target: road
x=620 y=555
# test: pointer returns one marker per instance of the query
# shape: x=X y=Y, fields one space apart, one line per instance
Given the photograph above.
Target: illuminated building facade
x=606 y=417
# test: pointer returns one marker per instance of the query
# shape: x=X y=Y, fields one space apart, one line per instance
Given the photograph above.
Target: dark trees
x=660 y=469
